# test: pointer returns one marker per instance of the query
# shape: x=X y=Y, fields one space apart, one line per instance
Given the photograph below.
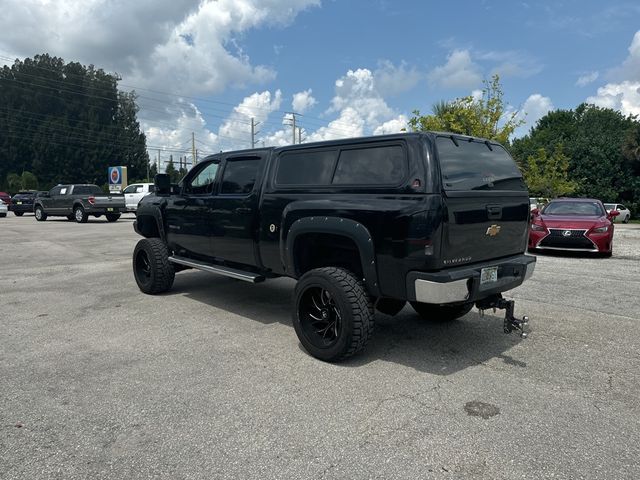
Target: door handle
x=243 y=210
x=494 y=212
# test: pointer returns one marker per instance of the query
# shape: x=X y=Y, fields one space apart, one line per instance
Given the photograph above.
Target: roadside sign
x=117 y=178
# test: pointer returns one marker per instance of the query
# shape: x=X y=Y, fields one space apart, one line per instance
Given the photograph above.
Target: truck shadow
x=436 y=348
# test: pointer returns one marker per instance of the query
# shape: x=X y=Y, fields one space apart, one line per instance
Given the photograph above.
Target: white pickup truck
x=134 y=193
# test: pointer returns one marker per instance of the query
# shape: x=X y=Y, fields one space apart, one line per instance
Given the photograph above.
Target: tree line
x=588 y=151
x=65 y=122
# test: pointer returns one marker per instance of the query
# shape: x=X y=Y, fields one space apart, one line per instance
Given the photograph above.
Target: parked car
x=4 y=208
x=575 y=224
x=625 y=214
x=134 y=193
x=5 y=197
x=22 y=202
x=78 y=202
x=439 y=220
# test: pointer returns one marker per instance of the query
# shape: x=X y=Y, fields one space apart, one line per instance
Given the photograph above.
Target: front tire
x=112 y=217
x=441 y=313
x=80 y=215
x=151 y=267
x=18 y=214
x=41 y=216
x=332 y=313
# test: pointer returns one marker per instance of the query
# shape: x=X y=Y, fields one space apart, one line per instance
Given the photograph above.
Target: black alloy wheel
x=332 y=314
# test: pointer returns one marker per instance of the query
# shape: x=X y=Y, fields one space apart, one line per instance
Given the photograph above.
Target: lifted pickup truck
x=439 y=220
x=78 y=202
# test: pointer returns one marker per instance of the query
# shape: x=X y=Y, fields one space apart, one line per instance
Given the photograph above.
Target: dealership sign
x=117 y=178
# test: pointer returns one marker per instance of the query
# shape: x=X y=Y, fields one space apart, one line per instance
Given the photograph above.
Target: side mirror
x=162 y=182
x=614 y=213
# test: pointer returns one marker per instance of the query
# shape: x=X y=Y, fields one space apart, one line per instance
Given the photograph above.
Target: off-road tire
x=18 y=214
x=40 y=214
x=350 y=297
x=160 y=275
x=112 y=217
x=441 y=313
x=80 y=215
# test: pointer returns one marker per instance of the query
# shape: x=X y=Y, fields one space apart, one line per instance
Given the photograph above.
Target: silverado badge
x=493 y=230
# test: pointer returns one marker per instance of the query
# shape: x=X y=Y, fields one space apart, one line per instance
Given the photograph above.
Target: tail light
x=92 y=200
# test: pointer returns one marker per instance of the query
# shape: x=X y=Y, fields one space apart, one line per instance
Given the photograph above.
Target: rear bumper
x=105 y=210
x=24 y=208
x=462 y=284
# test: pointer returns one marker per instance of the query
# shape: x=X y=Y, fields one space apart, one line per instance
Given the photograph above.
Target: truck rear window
x=476 y=165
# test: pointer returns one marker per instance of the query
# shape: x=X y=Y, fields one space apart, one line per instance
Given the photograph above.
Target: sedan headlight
x=601 y=229
x=537 y=228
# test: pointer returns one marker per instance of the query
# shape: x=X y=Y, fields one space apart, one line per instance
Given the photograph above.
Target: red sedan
x=574 y=224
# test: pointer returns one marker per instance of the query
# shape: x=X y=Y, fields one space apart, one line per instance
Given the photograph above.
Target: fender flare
x=336 y=226
x=156 y=215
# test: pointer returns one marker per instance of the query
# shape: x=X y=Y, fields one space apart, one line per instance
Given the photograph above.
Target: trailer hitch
x=511 y=323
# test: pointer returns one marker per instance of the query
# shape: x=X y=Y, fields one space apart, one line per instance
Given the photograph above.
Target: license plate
x=109 y=209
x=18 y=203
x=488 y=275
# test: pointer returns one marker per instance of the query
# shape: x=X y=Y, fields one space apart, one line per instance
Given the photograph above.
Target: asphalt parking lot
x=98 y=380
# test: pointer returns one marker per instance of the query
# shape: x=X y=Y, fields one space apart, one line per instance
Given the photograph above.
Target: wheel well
x=147 y=226
x=315 y=250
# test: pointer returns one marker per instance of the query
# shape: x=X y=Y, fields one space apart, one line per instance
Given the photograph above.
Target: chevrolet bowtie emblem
x=493 y=230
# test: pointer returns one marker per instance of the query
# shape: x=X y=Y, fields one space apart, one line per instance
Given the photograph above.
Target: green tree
x=29 y=181
x=66 y=122
x=172 y=172
x=547 y=175
x=485 y=117
x=14 y=182
x=593 y=138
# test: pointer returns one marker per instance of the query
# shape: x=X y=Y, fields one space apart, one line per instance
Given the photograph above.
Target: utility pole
x=147 y=162
x=293 y=124
x=159 y=161
x=193 y=147
x=299 y=134
x=253 y=132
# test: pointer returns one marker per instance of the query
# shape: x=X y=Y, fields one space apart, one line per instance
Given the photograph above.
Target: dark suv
x=22 y=202
x=439 y=220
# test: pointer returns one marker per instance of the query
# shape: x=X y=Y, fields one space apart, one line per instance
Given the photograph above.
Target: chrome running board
x=219 y=269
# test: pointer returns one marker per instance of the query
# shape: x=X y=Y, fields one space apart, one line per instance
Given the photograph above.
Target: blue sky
x=357 y=67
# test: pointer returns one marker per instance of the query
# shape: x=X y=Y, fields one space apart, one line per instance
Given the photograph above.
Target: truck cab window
x=203 y=181
x=239 y=175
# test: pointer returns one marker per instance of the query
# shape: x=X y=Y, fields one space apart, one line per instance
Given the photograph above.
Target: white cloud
x=236 y=129
x=302 y=101
x=587 y=78
x=459 y=71
x=395 y=125
x=534 y=108
x=510 y=63
x=623 y=93
x=630 y=68
x=624 y=96
x=393 y=79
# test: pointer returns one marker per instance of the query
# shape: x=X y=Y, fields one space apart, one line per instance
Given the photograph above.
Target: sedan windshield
x=591 y=209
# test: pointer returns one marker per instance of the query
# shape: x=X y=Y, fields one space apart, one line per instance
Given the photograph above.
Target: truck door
x=235 y=212
x=188 y=214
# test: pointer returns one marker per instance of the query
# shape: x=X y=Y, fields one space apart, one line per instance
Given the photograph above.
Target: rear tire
x=80 y=215
x=18 y=214
x=626 y=219
x=151 y=267
x=2 y=215
x=332 y=313
x=71 y=218
x=112 y=217
x=41 y=216
x=441 y=313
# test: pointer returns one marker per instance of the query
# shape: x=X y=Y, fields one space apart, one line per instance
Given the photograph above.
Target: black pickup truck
x=436 y=219
x=77 y=202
